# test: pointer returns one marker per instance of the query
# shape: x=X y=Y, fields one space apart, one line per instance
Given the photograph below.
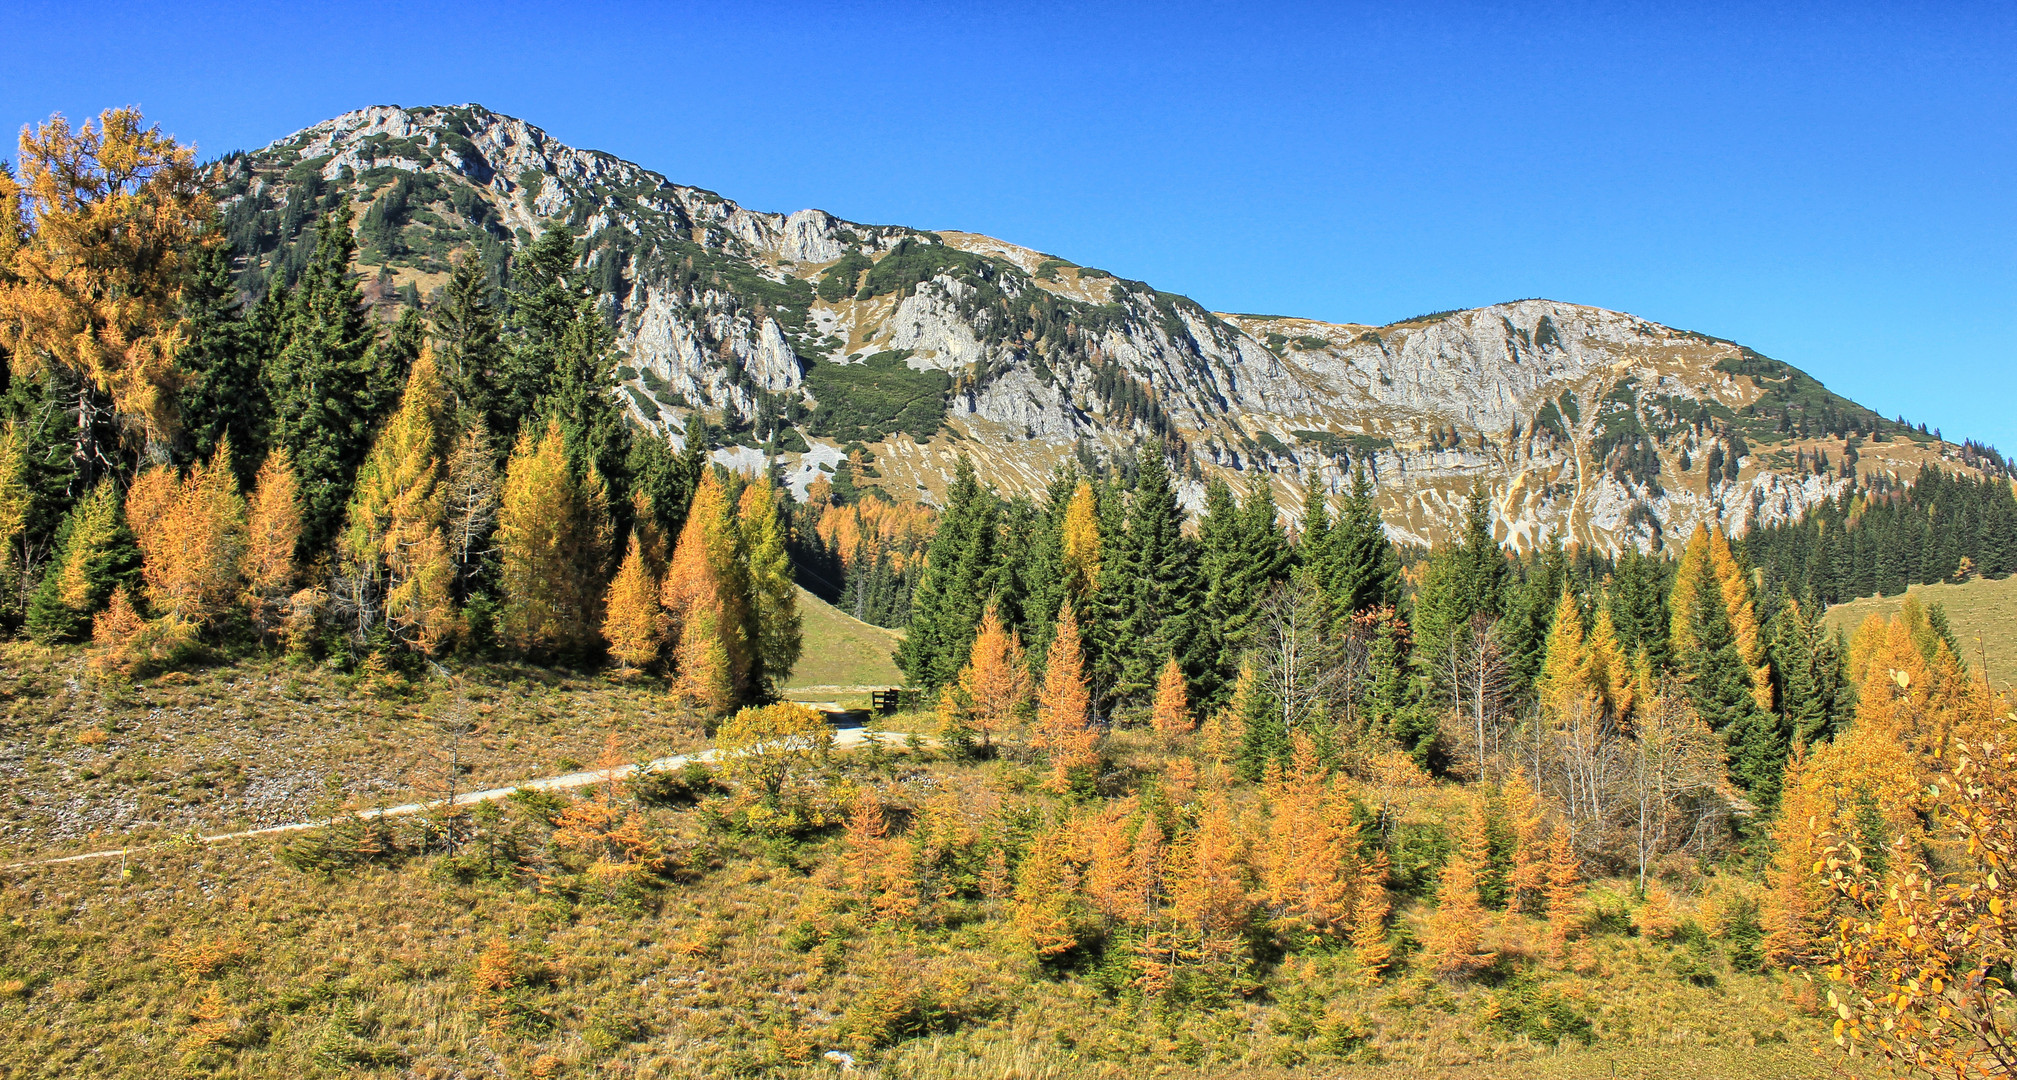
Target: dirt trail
x=843 y=738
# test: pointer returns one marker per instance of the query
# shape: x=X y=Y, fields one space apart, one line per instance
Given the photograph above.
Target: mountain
x=810 y=337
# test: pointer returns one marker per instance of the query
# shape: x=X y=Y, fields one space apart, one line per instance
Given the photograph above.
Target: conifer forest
x=1181 y=786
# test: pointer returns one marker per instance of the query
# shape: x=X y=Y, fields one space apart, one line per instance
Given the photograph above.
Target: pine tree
x=958 y=581
x=1530 y=609
x=1158 y=619
x=273 y=537
x=1460 y=583
x=1064 y=731
x=17 y=503
x=552 y=533
x=1719 y=685
x=1637 y=600
x=775 y=634
x=222 y=397
x=1363 y=573
x=468 y=331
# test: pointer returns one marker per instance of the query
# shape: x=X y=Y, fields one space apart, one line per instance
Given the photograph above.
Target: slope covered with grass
x=1982 y=612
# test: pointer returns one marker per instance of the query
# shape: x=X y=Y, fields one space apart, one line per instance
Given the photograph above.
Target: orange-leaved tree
x=553 y=531
x=705 y=593
x=1171 y=716
x=191 y=535
x=96 y=254
x=273 y=534
x=632 y=622
x=1064 y=731
x=996 y=680
x=1920 y=956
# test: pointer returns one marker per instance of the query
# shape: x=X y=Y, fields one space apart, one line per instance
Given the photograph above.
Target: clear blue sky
x=1831 y=184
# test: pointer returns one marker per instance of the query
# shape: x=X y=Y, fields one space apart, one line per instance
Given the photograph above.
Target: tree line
x=184 y=468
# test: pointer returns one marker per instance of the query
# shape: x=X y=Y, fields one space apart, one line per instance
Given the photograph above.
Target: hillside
x=843 y=656
x=1981 y=612
x=811 y=337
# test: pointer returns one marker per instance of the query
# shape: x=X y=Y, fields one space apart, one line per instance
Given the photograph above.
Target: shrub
x=866 y=402
x=1539 y=1012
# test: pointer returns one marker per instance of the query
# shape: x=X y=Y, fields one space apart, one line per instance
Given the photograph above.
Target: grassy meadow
x=1982 y=612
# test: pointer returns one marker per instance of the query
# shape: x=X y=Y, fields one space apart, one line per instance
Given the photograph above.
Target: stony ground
x=85 y=762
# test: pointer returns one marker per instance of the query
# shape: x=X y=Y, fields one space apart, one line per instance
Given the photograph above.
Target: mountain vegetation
x=1206 y=772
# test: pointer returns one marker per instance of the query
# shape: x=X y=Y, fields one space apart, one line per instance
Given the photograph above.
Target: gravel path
x=842 y=739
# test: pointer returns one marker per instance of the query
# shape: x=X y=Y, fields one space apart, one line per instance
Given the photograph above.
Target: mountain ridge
x=810 y=338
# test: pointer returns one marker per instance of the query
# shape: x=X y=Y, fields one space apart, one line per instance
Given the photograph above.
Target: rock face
x=1589 y=425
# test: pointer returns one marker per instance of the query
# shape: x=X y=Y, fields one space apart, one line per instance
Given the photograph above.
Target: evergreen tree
x=958 y=581
x=222 y=396
x=94 y=554
x=318 y=380
x=775 y=633
x=1363 y=572
x=1719 y=685
x=1243 y=552
x=1460 y=583
x=470 y=338
x=1637 y=600
x=1159 y=618
x=1530 y=610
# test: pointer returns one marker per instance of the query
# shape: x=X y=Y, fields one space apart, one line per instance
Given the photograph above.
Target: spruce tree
x=958 y=580
x=469 y=338
x=95 y=553
x=1638 y=602
x=1363 y=573
x=1719 y=685
x=1530 y=609
x=1160 y=619
x=775 y=633
x=222 y=396
x=318 y=380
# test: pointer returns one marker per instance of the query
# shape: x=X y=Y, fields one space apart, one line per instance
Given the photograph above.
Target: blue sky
x=1831 y=184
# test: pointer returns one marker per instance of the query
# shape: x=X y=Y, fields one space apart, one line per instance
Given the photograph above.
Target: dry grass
x=223 y=961
x=87 y=764
x=1983 y=613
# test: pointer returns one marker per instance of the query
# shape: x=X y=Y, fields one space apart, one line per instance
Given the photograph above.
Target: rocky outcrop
x=1589 y=425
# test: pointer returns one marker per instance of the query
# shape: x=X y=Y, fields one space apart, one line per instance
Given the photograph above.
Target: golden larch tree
x=1044 y=916
x=1370 y=907
x=191 y=535
x=705 y=596
x=1565 y=893
x=1171 y=716
x=1081 y=543
x=1452 y=942
x=1063 y=731
x=632 y=623
x=996 y=680
x=271 y=568
x=97 y=251
x=553 y=532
